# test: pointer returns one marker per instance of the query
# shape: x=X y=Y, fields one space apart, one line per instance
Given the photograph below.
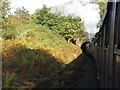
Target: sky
x=88 y=12
x=32 y=5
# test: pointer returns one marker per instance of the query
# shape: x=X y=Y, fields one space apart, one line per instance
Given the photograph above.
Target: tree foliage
x=23 y=14
x=102 y=6
x=4 y=11
x=5 y=8
x=9 y=27
x=11 y=23
x=64 y=25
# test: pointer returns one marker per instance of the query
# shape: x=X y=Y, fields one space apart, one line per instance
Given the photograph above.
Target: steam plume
x=87 y=11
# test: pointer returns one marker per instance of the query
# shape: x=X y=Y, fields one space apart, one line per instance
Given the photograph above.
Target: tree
x=41 y=15
x=102 y=6
x=66 y=26
x=10 y=27
x=4 y=11
x=5 y=8
x=21 y=10
x=23 y=14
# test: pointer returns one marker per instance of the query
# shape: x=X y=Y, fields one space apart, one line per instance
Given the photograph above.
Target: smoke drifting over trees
x=88 y=10
x=85 y=9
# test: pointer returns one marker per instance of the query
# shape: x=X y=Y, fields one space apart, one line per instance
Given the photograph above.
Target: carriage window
x=102 y=36
x=107 y=34
x=118 y=25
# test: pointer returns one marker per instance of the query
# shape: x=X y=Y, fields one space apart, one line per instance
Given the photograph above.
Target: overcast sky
x=32 y=5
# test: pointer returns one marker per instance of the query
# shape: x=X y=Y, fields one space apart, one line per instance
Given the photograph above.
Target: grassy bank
x=34 y=58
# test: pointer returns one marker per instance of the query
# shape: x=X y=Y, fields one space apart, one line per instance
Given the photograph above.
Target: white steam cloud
x=87 y=11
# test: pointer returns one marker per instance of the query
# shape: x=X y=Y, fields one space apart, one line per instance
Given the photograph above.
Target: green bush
x=11 y=80
x=66 y=26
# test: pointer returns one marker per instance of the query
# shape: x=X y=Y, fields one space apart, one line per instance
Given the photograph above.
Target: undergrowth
x=35 y=58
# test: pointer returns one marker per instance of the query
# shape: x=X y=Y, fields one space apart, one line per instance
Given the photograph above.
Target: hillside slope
x=35 y=57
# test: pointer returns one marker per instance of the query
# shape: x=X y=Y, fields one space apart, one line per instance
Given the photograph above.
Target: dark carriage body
x=106 y=47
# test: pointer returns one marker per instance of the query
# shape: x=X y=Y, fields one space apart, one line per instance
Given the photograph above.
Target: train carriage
x=106 y=47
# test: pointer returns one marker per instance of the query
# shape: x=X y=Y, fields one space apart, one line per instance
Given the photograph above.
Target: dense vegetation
x=66 y=26
x=102 y=6
x=35 y=59
x=33 y=53
x=36 y=49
